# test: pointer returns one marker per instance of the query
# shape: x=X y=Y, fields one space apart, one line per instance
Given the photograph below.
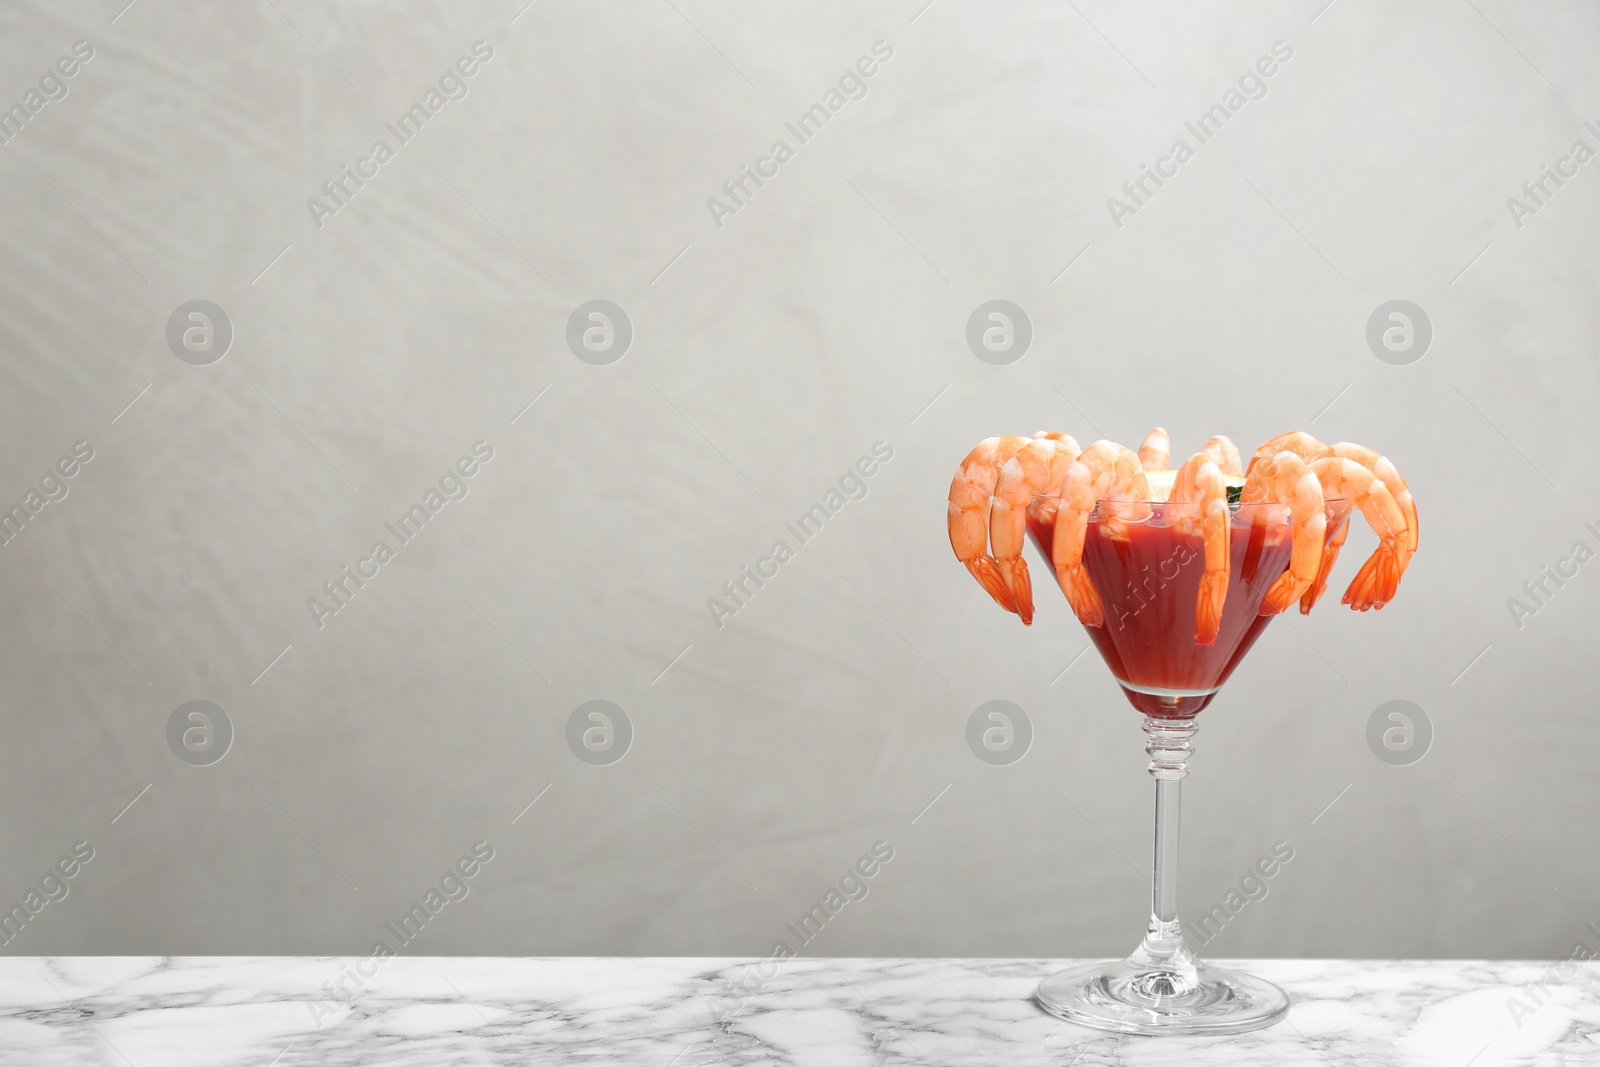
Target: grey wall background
x=769 y=354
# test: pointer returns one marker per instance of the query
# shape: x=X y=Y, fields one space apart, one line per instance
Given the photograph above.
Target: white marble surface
x=473 y=1010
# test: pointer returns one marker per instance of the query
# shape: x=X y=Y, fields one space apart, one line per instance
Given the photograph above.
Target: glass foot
x=1138 y=999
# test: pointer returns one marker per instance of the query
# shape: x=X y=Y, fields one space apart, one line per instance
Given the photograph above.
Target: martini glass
x=1147 y=572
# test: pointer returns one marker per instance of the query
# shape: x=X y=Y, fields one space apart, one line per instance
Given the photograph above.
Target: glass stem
x=1170 y=743
x=1164 y=888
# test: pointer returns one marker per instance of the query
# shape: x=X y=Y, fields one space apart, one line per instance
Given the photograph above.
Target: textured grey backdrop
x=775 y=340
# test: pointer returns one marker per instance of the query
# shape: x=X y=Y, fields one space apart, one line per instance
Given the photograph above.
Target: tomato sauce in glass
x=1148 y=576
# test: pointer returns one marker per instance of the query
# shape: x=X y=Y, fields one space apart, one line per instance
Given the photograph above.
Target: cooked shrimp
x=1104 y=471
x=1037 y=469
x=1224 y=453
x=1330 y=552
x=970 y=492
x=1200 y=490
x=1156 y=452
x=1057 y=435
x=1286 y=479
x=1367 y=577
x=1390 y=476
x=1299 y=442
x=1376 y=582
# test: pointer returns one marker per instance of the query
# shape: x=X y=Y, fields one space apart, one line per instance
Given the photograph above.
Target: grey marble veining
x=285 y=1011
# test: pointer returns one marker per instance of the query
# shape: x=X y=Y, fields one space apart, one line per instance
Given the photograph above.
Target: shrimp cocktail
x=1174 y=573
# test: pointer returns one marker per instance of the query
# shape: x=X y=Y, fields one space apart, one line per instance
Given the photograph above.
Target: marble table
x=441 y=1012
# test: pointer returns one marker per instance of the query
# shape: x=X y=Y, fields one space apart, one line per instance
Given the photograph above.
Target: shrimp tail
x=1281 y=594
x=1208 y=606
x=987 y=571
x=1020 y=584
x=1377 y=581
x=1082 y=595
